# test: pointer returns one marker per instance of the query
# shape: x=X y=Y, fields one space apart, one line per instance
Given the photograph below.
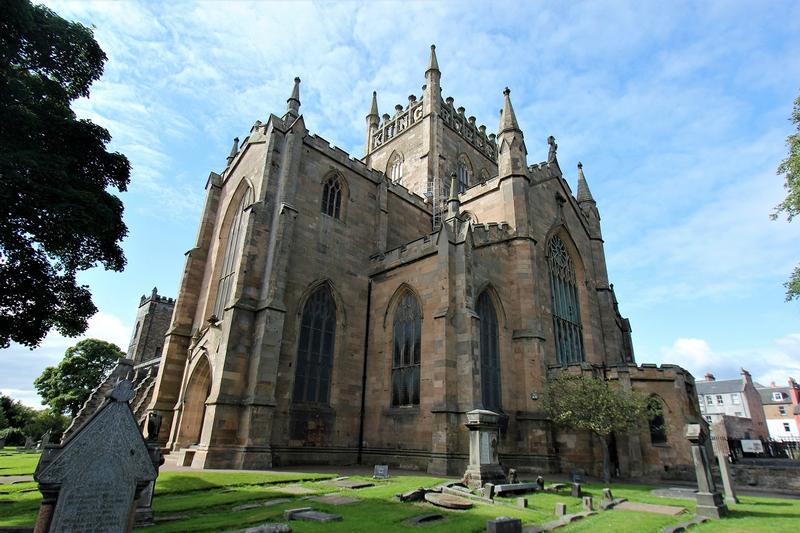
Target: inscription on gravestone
x=381 y=472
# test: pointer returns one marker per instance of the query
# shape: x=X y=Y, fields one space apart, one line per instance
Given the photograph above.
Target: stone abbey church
x=337 y=310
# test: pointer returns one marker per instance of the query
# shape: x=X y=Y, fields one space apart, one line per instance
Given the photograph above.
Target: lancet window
x=658 y=429
x=566 y=314
x=490 y=353
x=463 y=174
x=396 y=168
x=406 y=346
x=312 y=382
x=230 y=260
x=332 y=197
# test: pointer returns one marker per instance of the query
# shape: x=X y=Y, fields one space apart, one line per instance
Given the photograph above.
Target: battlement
x=343 y=158
x=155 y=297
x=392 y=126
x=483 y=234
x=643 y=372
x=401 y=191
x=457 y=121
x=415 y=249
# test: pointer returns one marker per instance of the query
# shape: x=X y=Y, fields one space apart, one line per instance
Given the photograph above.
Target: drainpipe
x=364 y=375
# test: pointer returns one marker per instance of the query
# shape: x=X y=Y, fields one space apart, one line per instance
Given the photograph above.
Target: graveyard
x=199 y=501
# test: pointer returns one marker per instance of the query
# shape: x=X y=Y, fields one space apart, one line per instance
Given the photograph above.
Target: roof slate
x=725 y=386
x=766 y=395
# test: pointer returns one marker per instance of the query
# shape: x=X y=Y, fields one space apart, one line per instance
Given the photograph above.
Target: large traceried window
x=490 y=353
x=396 y=167
x=406 y=346
x=227 y=276
x=566 y=315
x=312 y=382
x=332 y=197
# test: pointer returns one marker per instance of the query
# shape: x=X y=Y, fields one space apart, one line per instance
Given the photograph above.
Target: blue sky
x=678 y=111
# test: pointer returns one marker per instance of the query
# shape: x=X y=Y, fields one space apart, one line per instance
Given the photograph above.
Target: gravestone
x=488 y=490
x=576 y=490
x=709 y=500
x=561 y=509
x=448 y=501
x=522 y=502
x=381 y=472
x=512 y=476
x=504 y=524
x=607 y=496
x=91 y=481
x=29 y=443
x=540 y=482
x=727 y=481
x=484 y=439
x=307 y=513
x=588 y=503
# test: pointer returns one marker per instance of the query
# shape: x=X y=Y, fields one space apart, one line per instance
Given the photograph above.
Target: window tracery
x=566 y=314
x=406 y=346
x=332 y=197
x=490 y=353
x=315 y=349
x=396 y=168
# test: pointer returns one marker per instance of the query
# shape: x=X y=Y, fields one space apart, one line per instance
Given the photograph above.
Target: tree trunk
x=606 y=459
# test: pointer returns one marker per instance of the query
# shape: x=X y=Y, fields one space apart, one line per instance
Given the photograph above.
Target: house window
x=708 y=419
x=566 y=316
x=315 y=349
x=719 y=399
x=782 y=410
x=490 y=357
x=777 y=396
x=406 y=345
x=709 y=400
x=658 y=429
x=786 y=427
x=396 y=168
x=735 y=399
x=231 y=257
x=332 y=197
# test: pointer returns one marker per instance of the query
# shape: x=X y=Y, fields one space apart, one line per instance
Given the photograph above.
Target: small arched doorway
x=194 y=404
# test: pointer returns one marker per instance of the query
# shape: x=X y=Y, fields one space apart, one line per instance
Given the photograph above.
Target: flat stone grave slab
x=335 y=499
x=448 y=501
x=256 y=505
x=269 y=527
x=352 y=484
x=15 y=479
x=668 y=510
x=297 y=490
x=514 y=488
x=307 y=513
x=426 y=518
x=413 y=495
x=681 y=493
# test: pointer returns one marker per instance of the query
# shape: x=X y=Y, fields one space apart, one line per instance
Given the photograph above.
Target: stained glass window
x=406 y=346
x=312 y=380
x=490 y=356
x=332 y=197
x=566 y=314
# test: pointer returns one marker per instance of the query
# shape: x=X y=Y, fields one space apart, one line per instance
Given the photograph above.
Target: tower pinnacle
x=234 y=149
x=293 y=103
x=508 y=120
x=433 y=64
x=373 y=110
x=584 y=194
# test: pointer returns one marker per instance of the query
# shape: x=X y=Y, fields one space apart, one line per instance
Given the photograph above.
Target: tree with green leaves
x=56 y=214
x=585 y=403
x=790 y=206
x=67 y=386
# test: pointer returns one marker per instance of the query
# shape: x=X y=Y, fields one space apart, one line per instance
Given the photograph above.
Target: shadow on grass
x=740 y=513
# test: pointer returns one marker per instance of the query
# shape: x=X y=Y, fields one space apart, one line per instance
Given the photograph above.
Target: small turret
x=453 y=203
x=373 y=119
x=432 y=90
x=293 y=103
x=587 y=204
x=584 y=194
x=512 y=154
x=234 y=150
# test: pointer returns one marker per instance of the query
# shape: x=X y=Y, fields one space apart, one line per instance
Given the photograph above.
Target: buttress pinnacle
x=584 y=194
x=293 y=103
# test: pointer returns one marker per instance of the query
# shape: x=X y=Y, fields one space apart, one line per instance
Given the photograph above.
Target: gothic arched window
x=396 y=167
x=312 y=381
x=566 y=315
x=658 y=428
x=332 y=197
x=490 y=353
x=463 y=173
x=231 y=257
x=406 y=346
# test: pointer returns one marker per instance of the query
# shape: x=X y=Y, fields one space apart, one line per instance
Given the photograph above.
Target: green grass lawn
x=204 y=502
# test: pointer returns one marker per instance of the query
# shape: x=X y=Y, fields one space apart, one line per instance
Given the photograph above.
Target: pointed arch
x=395 y=300
x=406 y=348
x=464 y=173
x=234 y=222
x=315 y=348
x=489 y=288
x=564 y=293
x=394 y=166
x=335 y=194
x=489 y=352
x=195 y=397
x=656 y=421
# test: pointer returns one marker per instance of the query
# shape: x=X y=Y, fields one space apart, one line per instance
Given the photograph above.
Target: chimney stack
x=710 y=377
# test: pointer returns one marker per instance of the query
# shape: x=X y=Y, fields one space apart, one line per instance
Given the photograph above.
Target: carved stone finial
x=551 y=154
x=506 y=91
x=234 y=149
x=293 y=102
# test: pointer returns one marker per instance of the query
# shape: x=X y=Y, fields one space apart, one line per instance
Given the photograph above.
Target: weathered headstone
x=484 y=439
x=381 y=472
x=488 y=490
x=29 y=443
x=607 y=496
x=577 y=477
x=727 y=481
x=588 y=503
x=512 y=476
x=522 y=502
x=576 y=490
x=561 y=509
x=90 y=482
x=540 y=482
x=515 y=488
x=709 y=500
x=504 y=524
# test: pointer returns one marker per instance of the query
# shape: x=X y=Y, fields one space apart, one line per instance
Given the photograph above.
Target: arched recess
x=464 y=173
x=657 y=420
x=394 y=166
x=395 y=299
x=229 y=249
x=198 y=389
x=489 y=352
x=335 y=195
x=469 y=215
x=490 y=290
x=316 y=345
x=567 y=296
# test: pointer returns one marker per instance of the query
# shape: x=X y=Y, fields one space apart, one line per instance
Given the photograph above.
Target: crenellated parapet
x=493 y=232
x=457 y=121
x=393 y=125
x=416 y=249
x=632 y=372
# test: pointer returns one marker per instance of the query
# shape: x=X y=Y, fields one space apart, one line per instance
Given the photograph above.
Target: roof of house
x=723 y=386
x=766 y=395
